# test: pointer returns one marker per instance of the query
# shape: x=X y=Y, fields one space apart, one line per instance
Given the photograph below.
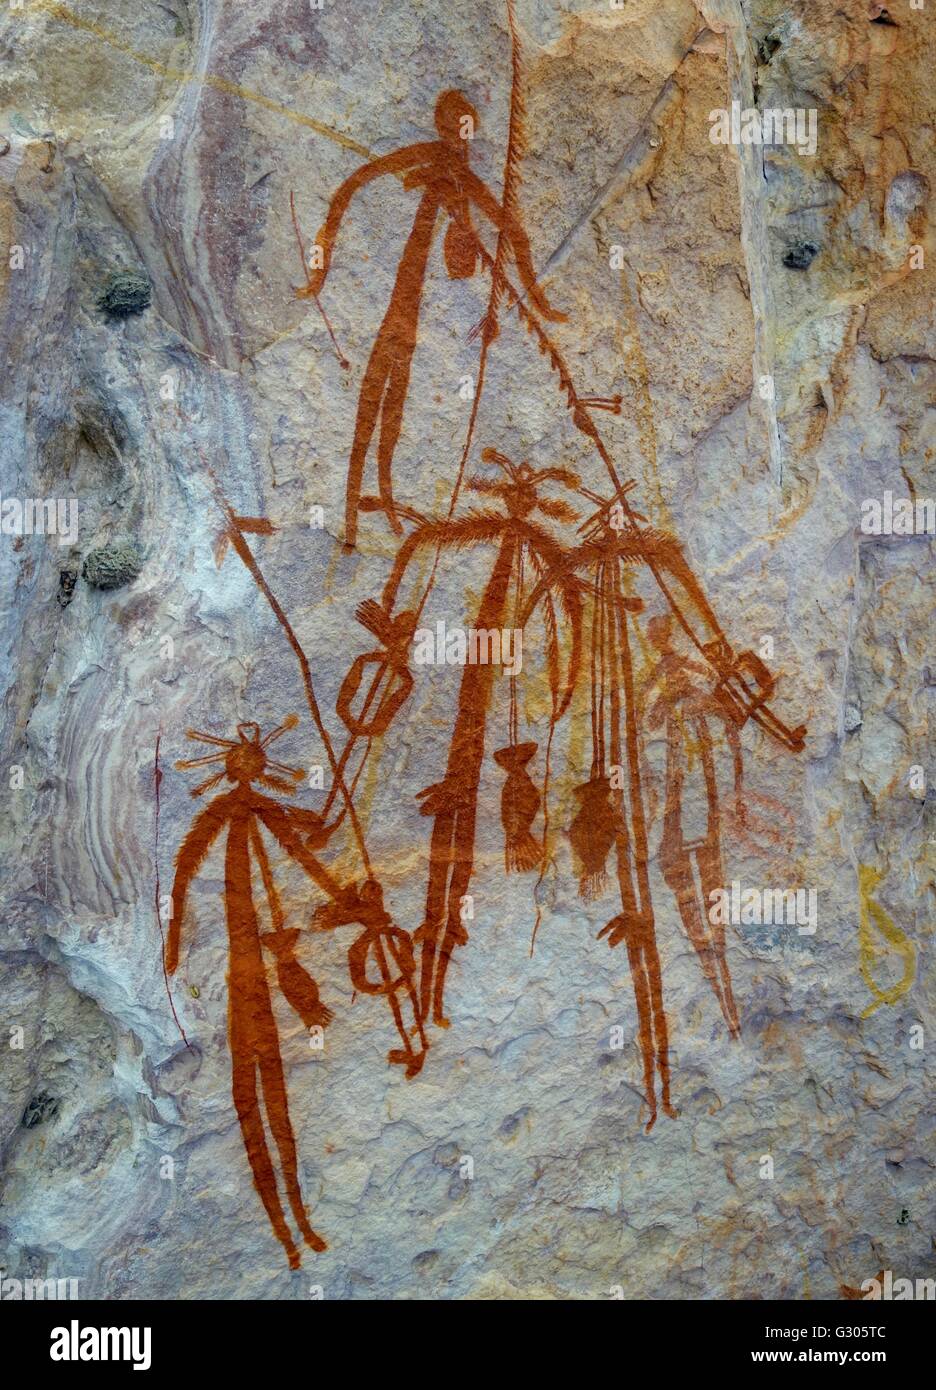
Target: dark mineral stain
x=68 y=578
x=801 y=255
x=125 y=292
x=511 y=1125
x=42 y=1107
x=766 y=49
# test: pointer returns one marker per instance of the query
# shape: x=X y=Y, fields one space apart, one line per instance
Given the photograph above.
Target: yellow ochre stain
x=872 y=914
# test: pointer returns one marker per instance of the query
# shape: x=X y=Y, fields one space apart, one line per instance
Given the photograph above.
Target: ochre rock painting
x=257 y=1068
x=468 y=543
x=545 y=556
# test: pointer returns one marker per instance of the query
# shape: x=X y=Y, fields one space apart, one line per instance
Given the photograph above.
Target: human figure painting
x=628 y=641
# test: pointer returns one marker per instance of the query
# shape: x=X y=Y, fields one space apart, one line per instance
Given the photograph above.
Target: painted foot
x=415 y=1064
x=403 y=1057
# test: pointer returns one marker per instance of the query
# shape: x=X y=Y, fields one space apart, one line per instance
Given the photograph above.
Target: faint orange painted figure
x=611 y=812
x=685 y=701
x=255 y=1052
x=440 y=168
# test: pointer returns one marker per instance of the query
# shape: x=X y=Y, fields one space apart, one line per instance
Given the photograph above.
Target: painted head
x=456 y=120
x=248 y=760
x=245 y=759
x=520 y=492
x=659 y=631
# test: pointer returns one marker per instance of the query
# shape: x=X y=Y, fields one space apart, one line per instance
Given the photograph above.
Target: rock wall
x=759 y=319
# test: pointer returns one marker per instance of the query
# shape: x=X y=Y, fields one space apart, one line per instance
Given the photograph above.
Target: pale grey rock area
x=762 y=404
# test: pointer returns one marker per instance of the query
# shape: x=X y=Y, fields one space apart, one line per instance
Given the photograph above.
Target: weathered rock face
x=765 y=315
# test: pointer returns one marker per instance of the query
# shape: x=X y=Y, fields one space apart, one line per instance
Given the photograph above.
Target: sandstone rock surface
x=761 y=405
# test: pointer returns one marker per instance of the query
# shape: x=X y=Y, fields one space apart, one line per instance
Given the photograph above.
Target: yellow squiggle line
x=220 y=84
x=868 y=878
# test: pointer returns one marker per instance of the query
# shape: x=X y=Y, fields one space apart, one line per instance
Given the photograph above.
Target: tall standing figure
x=521 y=542
x=441 y=169
x=611 y=814
x=255 y=1051
x=685 y=707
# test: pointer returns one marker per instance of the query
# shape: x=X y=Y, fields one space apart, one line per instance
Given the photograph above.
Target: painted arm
x=473 y=529
x=396 y=163
x=519 y=242
x=744 y=699
x=206 y=828
x=278 y=821
x=648 y=683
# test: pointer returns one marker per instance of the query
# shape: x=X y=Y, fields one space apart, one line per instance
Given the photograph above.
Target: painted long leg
x=391 y=422
x=651 y=1020
x=451 y=858
x=440 y=858
x=641 y=987
x=676 y=866
x=651 y=961
x=386 y=380
x=247 y=1105
x=456 y=933
x=245 y=980
x=635 y=892
x=277 y=1108
x=626 y=927
x=709 y=861
x=271 y=1067
x=254 y=1043
x=712 y=877
x=370 y=401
